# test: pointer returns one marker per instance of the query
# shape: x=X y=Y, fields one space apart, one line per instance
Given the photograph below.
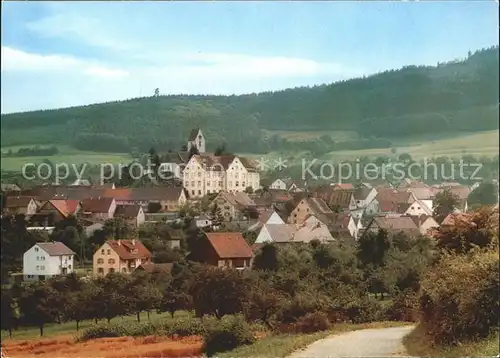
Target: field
x=453 y=145
x=67 y=155
x=267 y=345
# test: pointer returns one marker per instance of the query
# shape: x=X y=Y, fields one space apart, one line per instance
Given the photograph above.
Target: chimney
x=119 y=242
x=133 y=242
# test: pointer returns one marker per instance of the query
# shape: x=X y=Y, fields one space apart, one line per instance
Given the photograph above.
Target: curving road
x=379 y=342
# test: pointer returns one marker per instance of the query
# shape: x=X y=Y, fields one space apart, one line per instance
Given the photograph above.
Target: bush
x=184 y=327
x=103 y=331
x=312 y=322
x=230 y=332
x=459 y=297
x=365 y=310
x=404 y=307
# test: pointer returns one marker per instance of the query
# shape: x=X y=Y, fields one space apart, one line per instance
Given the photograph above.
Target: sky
x=61 y=54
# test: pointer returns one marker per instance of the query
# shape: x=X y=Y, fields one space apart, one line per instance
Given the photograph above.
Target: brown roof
x=17 y=201
x=96 y=205
x=362 y=192
x=127 y=211
x=462 y=192
x=239 y=199
x=151 y=267
x=339 y=197
x=193 y=134
x=65 y=207
x=281 y=232
x=343 y=186
x=125 y=249
x=393 y=200
x=10 y=187
x=55 y=248
x=249 y=164
x=229 y=245
x=397 y=223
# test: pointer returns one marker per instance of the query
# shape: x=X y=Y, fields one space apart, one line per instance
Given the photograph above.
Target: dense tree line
x=35 y=151
x=456 y=96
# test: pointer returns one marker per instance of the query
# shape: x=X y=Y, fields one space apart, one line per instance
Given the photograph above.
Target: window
x=69 y=266
x=102 y=252
x=199 y=192
x=100 y=261
x=100 y=270
x=38 y=258
x=111 y=261
x=187 y=184
x=237 y=184
x=36 y=249
x=109 y=251
x=111 y=270
x=42 y=268
x=37 y=268
x=208 y=183
x=192 y=183
x=193 y=192
x=243 y=184
x=124 y=269
x=42 y=258
x=418 y=208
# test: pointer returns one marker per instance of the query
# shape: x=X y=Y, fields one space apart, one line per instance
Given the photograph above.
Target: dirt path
x=380 y=342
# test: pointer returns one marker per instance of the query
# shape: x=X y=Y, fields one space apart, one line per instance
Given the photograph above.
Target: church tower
x=196 y=139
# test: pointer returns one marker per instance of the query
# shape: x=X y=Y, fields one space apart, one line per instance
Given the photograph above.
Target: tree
x=267 y=258
x=10 y=314
x=39 y=305
x=174 y=299
x=484 y=194
x=405 y=158
x=157 y=92
x=249 y=190
x=372 y=248
x=193 y=151
x=444 y=204
x=113 y=297
x=218 y=291
x=144 y=295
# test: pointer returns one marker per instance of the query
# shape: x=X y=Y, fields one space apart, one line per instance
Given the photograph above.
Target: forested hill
x=453 y=96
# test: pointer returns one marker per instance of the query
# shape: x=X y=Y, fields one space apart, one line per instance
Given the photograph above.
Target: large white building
x=207 y=173
x=47 y=259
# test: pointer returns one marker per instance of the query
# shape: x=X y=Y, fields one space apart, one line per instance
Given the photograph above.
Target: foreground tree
x=444 y=203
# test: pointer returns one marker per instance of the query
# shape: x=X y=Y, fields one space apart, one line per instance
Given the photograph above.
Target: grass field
x=418 y=345
x=53 y=329
x=67 y=155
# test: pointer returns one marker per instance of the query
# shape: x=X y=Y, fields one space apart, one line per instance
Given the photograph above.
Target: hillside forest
x=460 y=95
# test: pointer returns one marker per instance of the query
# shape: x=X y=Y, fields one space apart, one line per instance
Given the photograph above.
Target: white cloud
x=14 y=60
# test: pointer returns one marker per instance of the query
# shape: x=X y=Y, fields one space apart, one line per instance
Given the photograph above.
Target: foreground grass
x=419 y=345
x=281 y=345
x=55 y=329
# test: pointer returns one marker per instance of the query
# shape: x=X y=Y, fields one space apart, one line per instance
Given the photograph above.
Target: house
x=410 y=183
x=268 y=197
x=354 y=226
x=120 y=256
x=462 y=193
x=339 y=225
x=232 y=205
x=268 y=216
x=425 y=223
x=47 y=259
x=81 y=182
x=171 y=166
x=99 y=209
x=170 y=198
x=365 y=198
x=311 y=229
x=196 y=140
x=452 y=218
x=206 y=173
x=418 y=208
x=223 y=249
x=132 y=214
x=202 y=221
x=340 y=199
x=395 y=201
x=394 y=224
x=53 y=211
x=20 y=205
x=278 y=184
x=307 y=207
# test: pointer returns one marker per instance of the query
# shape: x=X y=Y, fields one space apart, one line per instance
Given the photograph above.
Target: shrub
x=459 y=297
x=404 y=307
x=365 y=310
x=184 y=327
x=102 y=331
x=230 y=332
x=312 y=322
x=301 y=305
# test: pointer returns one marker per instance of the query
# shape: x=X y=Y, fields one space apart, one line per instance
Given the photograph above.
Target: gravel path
x=380 y=342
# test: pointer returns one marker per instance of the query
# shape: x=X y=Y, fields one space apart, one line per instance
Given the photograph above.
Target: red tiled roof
x=125 y=249
x=65 y=207
x=118 y=193
x=229 y=245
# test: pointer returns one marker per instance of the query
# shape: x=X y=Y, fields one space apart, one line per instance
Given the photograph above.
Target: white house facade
x=47 y=259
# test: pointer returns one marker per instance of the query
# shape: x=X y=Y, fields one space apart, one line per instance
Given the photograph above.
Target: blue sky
x=59 y=54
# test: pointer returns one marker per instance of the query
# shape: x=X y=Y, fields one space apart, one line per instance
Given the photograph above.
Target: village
x=225 y=200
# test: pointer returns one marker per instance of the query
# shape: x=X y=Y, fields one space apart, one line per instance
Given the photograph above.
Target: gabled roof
x=55 y=248
x=394 y=224
x=395 y=200
x=193 y=134
x=362 y=192
x=423 y=193
x=340 y=198
x=65 y=207
x=343 y=186
x=281 y=233
x=96 y=205
x=128 y=211
x=129 y=249
x=229 y=245
x=239 y=199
